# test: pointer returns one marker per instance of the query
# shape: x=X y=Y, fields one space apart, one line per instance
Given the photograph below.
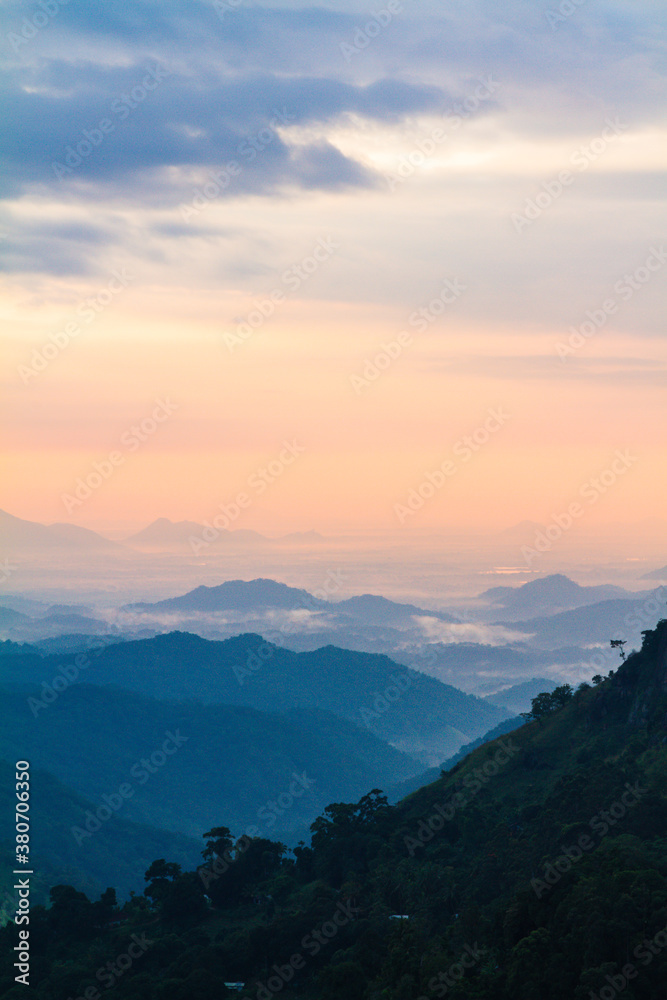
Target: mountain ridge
x=408 y=709
x=533 y=869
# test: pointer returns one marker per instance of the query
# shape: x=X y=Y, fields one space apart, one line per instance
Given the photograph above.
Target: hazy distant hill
x=657 y=574
x=404 y=788
x=549 y=595
x=518 y=698
x=17 y=535
x=68 y=609
x=24 y=628
x=371 y=609
x=483 y=668
x=27 y=606
x=595 y=623
x=237 y=595
x=61 y=623
x=9 y=618
x=232 y=761
x=163 y=534
x=250 y=596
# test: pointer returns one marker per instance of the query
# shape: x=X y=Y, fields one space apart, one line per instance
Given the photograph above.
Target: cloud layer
x=208 y=148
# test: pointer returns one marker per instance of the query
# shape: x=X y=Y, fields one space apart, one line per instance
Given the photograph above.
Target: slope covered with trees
x=534 y=869
x=183 y=761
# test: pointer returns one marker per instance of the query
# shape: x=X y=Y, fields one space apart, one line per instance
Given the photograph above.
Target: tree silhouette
x=618 y=644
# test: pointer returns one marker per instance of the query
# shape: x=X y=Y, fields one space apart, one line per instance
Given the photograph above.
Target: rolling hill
x=533 y=869
x=413 y=712
x=656 y=574
x=232 y=760
x=550 y=595
x=373 y=610
x=236 y=595
x=596 y=623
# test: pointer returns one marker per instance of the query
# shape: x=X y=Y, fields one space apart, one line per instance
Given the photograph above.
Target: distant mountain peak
x=373 y=608
x=166 y=534
x=656 y=574
x=163 y=532
x=237 y=595
x=554 y=581
x=17 y=535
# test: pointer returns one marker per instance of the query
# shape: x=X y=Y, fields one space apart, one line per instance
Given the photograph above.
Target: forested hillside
x=535 y=869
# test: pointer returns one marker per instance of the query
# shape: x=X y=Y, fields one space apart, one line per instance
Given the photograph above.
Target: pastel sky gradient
x=378 y=150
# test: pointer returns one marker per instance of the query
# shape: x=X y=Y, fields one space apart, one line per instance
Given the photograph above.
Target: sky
x=392 y=266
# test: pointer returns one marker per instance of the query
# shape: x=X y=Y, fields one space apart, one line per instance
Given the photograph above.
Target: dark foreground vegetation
x=535 y=869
